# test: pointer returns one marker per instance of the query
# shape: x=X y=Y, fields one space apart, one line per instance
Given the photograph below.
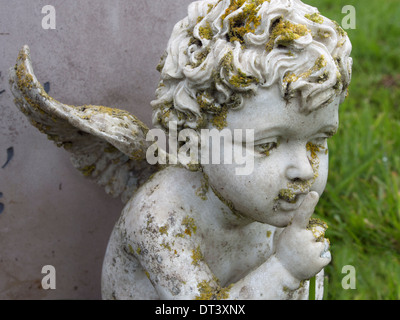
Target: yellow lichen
x=339 y=29
x=197 y=256
x=206 y=31
x=209 y=292
x=315 y=17
x=318 y=228
x=227 y=61
x=323 y=34
x=166 y=245
x=180 y=235
x=241 y=80
x=206 y=102
x=284 y=33
x=234 y=5
x=246 y=21
x=88 y=170
x=219 y=120
x=149 y=218
x=131 y=251
x=314 y=148
x=201 y=57
x=287 y=195
x=206 y=291
x=165 y=113
x=41 y=127
x=318 y=65
x=163 y=230
x=203 y=189
x=190 y=225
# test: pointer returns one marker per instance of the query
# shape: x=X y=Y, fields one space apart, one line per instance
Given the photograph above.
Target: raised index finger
x=306 y=209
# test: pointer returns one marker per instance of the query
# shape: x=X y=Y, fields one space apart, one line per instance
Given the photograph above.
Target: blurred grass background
x=361 y=203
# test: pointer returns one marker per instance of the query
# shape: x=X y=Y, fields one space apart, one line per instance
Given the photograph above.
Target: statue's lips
x=292 y=204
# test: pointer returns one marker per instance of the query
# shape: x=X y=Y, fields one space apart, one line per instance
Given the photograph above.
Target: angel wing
x=107 y=145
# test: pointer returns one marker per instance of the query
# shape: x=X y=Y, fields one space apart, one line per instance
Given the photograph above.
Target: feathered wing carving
x=107 y=145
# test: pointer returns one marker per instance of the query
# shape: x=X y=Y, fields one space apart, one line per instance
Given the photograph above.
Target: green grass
x=362 y=199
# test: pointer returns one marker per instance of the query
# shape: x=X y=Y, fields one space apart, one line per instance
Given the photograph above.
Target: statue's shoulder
x=168 y=195
x=169 y=185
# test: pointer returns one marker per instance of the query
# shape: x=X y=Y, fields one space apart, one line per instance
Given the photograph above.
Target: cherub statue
x=276 y=69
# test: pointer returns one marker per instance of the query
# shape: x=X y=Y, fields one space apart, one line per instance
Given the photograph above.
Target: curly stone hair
x=225 y=49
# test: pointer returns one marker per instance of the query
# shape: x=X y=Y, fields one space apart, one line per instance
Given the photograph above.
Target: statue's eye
x=321 y=141
x=265 y=148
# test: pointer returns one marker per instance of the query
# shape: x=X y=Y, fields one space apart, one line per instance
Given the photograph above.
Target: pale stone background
x=102 y=52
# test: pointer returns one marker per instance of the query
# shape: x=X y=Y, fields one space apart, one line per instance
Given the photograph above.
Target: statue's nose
x=299 y=166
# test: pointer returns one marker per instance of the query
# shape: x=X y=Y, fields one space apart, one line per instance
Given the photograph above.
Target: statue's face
x=290 y=157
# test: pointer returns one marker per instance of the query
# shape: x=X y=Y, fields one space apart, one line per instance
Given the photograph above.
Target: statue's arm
x=171 y=254
x=177 y=270
x=172 y=257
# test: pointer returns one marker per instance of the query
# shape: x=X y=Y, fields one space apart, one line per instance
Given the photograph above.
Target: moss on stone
x=210 y=292
x=284 y=33
x=203 y=189
x=320 y=63
x=206 y=31
x=241 y=80
x=88 y=170
x=201 y=57
x=318 y=228
x=339 y=29
x=315 y=17
x=166 y=245
x=197 y=256
x=219 y=119
x=313 y=149
x=164 y=229
x=190 y=225
x=130 y=249
x=247 y=21
x=287 y=195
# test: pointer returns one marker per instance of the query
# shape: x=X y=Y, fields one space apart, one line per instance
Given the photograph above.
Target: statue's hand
x=297 y=248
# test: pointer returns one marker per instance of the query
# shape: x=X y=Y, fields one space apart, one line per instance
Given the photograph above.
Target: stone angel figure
x=199 y=229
